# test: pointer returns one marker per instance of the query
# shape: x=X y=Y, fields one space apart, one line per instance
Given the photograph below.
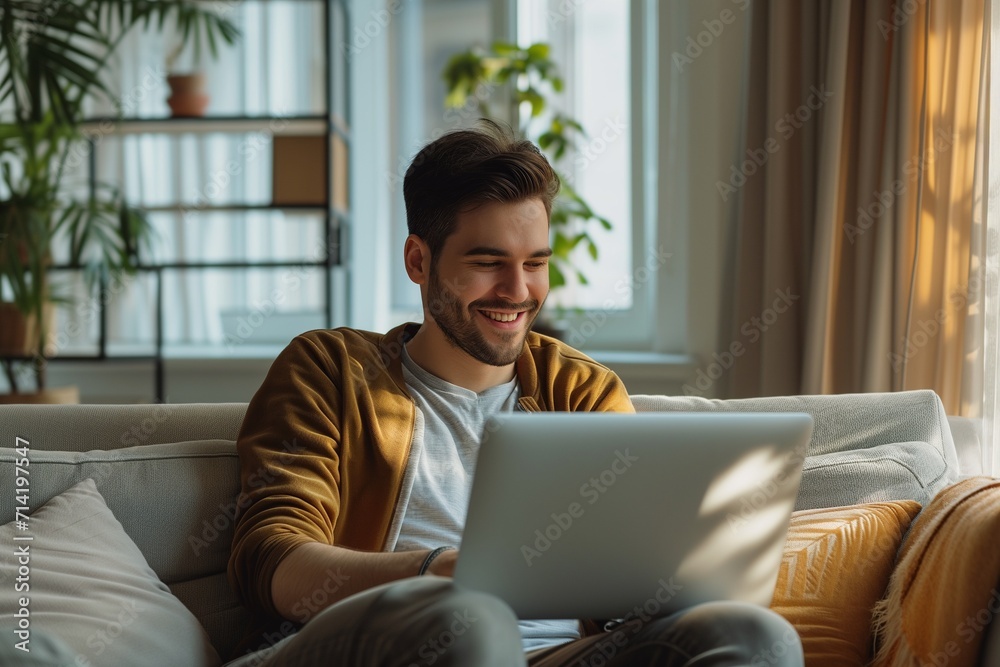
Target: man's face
x=490 y=279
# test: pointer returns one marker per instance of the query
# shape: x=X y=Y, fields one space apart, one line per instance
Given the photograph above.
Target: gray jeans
x=430 y=621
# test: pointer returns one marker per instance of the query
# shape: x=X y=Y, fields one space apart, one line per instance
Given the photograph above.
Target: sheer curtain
x=277 y=68
x=988 y=253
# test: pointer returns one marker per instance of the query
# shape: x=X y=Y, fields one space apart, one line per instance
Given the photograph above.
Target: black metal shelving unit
x=336 y=219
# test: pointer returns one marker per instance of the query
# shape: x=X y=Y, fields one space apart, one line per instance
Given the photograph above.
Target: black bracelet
x=430 y=557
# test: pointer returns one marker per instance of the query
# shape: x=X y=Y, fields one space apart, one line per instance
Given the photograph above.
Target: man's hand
x=444 y=565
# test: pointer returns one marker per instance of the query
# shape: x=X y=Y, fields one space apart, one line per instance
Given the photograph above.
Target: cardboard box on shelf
x=299 y=174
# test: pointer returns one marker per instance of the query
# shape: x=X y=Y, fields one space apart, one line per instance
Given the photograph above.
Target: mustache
x=529 y=305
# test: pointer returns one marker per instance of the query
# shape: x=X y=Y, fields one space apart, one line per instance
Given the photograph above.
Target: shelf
x=181 y=208
x=171 y=351
x=209 y=352
x=324 y=136
x=287 y=264
x=88 y=357
x=284 y=125
x=160 y=266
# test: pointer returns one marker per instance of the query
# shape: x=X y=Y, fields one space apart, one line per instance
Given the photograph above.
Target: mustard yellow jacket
x=326 y=441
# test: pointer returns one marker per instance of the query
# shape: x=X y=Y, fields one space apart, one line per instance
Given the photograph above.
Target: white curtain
x=988 y=254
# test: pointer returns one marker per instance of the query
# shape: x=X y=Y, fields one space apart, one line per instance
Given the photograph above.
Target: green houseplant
x=534 y=78
x=53 y=56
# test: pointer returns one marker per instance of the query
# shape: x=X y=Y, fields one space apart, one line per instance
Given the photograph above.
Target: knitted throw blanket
x=944 y=590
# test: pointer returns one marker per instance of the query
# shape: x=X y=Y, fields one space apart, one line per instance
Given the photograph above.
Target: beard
x=458 y=324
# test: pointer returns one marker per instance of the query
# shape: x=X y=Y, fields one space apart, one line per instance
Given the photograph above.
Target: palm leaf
x=61 y=107
x=6 y=87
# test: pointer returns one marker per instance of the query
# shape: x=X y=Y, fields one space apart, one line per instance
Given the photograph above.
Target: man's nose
x=513 y=285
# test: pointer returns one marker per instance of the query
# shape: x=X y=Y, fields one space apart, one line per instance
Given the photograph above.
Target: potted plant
x=187 y=87
x=534 y=78
x=52 y=57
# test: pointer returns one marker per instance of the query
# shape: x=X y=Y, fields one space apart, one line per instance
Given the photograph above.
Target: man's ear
x=417 y=259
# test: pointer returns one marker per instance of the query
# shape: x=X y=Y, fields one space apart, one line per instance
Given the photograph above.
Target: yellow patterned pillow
x=836 y=566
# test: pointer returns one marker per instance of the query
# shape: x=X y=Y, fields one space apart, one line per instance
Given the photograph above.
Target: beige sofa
x=169 y=475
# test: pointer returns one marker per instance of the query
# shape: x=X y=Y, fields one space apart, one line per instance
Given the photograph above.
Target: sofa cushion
x=87 y=584
x=905 y=434
x=902 y=470
x=81 y=428
x=175 y=501
x=836 y=566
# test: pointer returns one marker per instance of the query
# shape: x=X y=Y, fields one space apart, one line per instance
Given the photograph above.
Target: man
x=358 y=450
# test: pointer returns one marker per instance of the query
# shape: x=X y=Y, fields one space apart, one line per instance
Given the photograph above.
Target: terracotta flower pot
x=19 y=338
x=13 y=331
x=19 y=332
x=188 y=97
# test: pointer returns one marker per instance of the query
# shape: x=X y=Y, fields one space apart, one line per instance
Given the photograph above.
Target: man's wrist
x=430 y=558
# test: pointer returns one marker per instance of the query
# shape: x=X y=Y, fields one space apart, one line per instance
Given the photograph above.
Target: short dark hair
x=467 y=168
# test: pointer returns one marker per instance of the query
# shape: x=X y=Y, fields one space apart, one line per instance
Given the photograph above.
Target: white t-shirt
x=453 y=419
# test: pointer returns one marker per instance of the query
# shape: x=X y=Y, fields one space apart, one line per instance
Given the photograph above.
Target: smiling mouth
x=501 y=317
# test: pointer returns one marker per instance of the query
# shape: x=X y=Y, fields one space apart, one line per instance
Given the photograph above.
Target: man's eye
x=487 y=265
x=536 y=265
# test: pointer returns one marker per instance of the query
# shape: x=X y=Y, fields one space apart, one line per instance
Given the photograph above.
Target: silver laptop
x=601 y=515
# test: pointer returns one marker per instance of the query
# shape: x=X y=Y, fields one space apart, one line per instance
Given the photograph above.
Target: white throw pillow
x=89 y=586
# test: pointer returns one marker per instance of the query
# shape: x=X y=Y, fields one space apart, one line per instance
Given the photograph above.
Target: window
x=606 y=54
x=606 y=57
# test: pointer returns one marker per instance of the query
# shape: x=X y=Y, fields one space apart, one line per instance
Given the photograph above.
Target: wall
x=702 y=48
